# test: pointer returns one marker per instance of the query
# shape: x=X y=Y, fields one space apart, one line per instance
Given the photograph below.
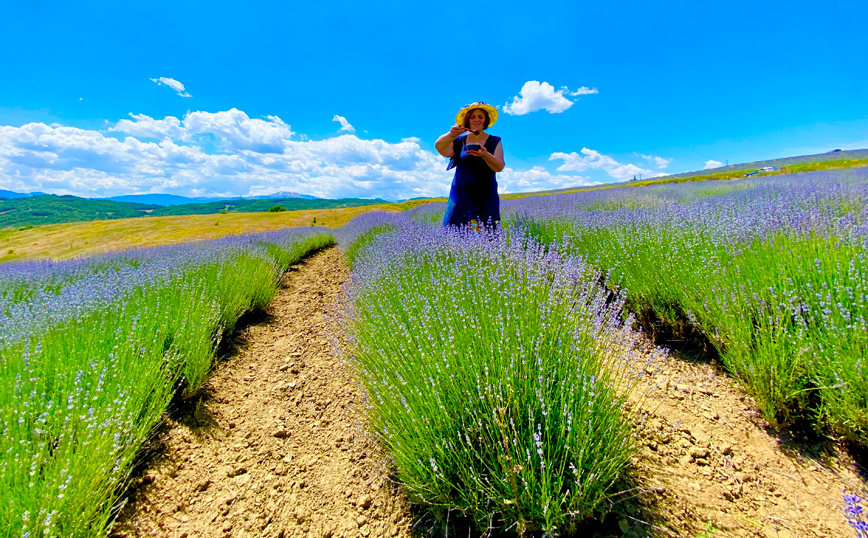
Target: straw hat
x=492 y=112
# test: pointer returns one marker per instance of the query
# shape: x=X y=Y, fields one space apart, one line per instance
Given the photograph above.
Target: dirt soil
x=274 y=447
x=711 y=466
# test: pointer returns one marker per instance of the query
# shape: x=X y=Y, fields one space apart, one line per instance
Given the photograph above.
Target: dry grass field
x=62 y=241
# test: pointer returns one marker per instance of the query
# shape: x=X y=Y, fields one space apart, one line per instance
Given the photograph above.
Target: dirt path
x=711 y=466
x=273 y=449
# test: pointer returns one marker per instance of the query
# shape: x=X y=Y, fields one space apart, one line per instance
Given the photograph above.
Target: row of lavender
x=92 y=351
x=772 y=271
x=478 y=351
x=497 y=372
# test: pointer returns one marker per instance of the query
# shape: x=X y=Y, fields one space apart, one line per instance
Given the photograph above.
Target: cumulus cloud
x=659 y=162
x=712 y=164
x=345 y=125
x=228 y=153
x=535 y=95
x=537 y=179
x=232 y=129
x=172 y=83
x=237 y=131
x=146 y=127
x=591 y=159
x=67 y=160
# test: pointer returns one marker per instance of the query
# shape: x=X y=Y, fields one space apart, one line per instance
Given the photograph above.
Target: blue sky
x=347 y=98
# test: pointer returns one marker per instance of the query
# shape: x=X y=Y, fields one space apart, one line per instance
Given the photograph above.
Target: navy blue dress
x=474 y=188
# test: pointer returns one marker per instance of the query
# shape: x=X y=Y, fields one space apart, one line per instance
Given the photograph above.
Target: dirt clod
x=697 y=453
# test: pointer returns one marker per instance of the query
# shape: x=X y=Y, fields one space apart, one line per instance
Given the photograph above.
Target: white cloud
x=591 y=159
x=712 y=164
x=237 y=131
x=659 y=162
x=232 y=129
x=172 y=83
x=345 y=125
x=584 y=90
x=229 y=154
x=66 y=160
x=147 y=127
x=537 y=179
x=573 y=162
x=535 y=95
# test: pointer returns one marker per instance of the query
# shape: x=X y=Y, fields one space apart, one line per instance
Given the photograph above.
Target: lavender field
x=498 y=365
x=500 y=368
x=93 y=350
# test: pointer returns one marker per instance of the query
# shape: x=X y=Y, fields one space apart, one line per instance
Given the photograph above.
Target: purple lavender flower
x=854 y=512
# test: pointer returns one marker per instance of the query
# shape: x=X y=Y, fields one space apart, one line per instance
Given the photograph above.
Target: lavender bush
x=773 y=271
x=497 y=373
x=91 y=355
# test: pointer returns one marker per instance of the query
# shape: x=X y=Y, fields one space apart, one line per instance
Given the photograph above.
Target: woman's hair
x=470 y=113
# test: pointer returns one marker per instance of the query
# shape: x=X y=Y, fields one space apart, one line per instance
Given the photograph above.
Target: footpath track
x=273 y=448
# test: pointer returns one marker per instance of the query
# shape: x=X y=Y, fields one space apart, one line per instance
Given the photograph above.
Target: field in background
x=785 y=162
x=62 y=241
x=734 y=172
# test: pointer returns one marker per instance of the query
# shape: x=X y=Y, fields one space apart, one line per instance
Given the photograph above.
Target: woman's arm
x=495 y=162
x=444 y=143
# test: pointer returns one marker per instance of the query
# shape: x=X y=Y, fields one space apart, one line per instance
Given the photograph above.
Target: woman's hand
x=481 y=152
x=495 y=162
x=444 y=143
x=457 y=130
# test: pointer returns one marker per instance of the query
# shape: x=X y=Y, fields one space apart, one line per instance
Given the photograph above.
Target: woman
x=476 y=157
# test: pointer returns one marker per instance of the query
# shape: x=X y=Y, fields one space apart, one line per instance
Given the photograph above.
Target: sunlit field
x=500 y=368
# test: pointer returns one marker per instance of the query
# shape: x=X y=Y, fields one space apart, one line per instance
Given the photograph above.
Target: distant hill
x=174 y=199
x=52 y=209
x=158 y=199
x=13 y=194
x=255 y=205
x=834 y=155
x=282 y=195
